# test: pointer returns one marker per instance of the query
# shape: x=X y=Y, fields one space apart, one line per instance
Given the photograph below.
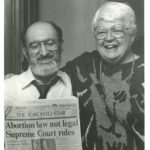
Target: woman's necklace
x=120 y=94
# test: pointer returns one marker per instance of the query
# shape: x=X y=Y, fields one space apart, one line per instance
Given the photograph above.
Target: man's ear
x=61 y=47
x=62 y=41
x=25 y=53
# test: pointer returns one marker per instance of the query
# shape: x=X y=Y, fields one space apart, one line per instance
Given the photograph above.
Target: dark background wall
x=17 y=15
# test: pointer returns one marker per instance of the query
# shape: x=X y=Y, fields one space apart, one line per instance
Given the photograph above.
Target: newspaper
x=43 y=125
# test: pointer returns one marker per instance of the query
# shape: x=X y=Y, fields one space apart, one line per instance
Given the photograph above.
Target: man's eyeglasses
x=117 y=31
x=49 y=44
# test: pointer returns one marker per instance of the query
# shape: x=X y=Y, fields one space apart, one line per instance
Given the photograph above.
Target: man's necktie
x=44 y=88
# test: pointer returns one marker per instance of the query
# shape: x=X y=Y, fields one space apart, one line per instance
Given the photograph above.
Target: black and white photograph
x=93 y=50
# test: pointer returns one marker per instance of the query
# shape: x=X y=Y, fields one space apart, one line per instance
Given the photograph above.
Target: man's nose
x=109 y=36
x=43 y=49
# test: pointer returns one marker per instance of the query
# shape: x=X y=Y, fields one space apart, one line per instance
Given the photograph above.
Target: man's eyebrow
x=36 y=41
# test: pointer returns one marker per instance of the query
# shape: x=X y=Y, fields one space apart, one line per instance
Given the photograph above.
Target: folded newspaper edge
x=12 y=102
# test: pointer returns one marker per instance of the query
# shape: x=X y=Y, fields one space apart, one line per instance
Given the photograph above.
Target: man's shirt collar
x=28 y=76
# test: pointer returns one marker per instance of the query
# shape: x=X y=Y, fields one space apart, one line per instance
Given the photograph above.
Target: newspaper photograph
x=43 y=125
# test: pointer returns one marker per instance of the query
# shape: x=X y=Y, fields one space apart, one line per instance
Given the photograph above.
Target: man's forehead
x=41 y=30
x=40 y=25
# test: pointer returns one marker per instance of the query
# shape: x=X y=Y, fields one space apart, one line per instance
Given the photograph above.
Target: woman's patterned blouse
x=111 y=99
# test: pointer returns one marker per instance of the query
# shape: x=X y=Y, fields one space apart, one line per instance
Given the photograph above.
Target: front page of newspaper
x=43 y=125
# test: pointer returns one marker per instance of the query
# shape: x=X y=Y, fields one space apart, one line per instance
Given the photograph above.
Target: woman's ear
x=133 y=34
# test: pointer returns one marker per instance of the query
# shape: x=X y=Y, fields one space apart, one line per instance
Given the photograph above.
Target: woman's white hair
x=111 y=9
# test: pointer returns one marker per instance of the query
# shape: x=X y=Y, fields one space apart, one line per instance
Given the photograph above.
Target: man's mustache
x=48 y=56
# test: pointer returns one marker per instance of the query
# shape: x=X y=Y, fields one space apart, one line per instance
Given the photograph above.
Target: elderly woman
x=109 y=83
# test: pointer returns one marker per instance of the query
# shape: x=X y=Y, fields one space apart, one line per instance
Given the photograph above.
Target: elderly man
x=42 y=47
x=109 y=83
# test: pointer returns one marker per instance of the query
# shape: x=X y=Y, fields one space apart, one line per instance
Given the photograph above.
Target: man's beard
x=46 y=69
